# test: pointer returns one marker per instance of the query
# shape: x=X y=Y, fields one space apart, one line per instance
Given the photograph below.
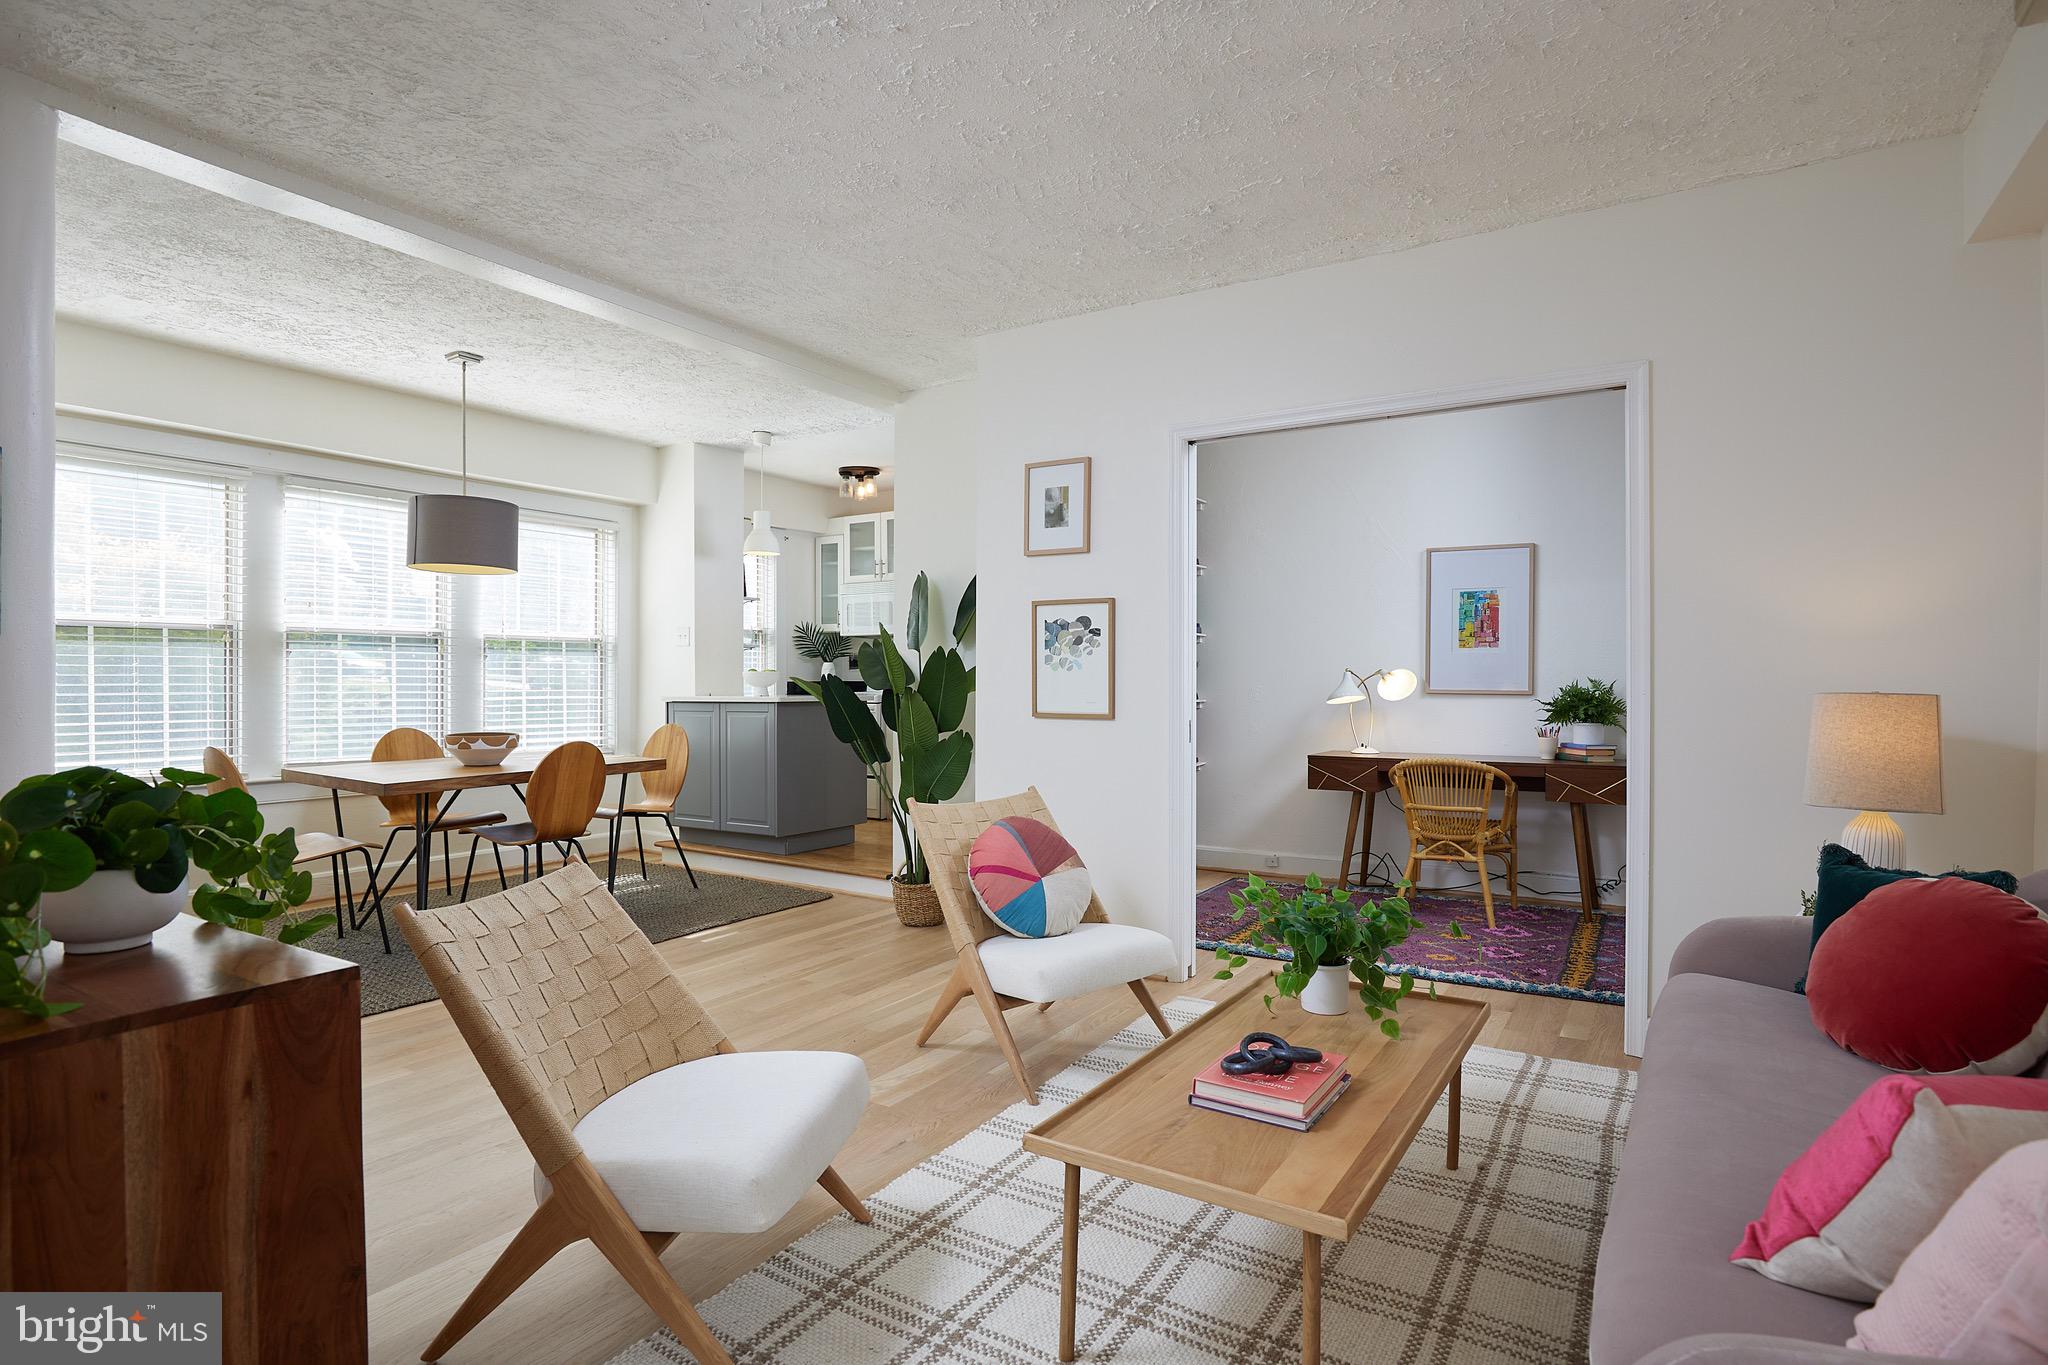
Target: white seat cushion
x=1085 y=959
x=726 y=1143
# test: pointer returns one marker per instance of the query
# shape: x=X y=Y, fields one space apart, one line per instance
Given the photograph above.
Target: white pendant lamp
x=762 y=542
x=445 y=533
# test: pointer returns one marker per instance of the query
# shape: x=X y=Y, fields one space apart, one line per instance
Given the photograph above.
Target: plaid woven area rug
x=1489 y=1263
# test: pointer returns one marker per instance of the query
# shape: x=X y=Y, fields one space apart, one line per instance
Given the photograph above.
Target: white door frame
x=1634 y=379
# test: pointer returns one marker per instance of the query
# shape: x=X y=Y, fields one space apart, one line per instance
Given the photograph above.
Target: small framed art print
x=1073 y=659
x=1480 y=608
x=1056 y=496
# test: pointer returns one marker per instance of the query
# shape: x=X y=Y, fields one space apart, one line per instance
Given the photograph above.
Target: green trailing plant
x=1325 y=926
x=924 y=707
x=1585 y=702
x=813 y=641
x=57 y=829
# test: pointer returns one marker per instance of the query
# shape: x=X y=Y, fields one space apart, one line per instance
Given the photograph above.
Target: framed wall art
x=1480 y=605
x=1073 y=659
x=1056 y=498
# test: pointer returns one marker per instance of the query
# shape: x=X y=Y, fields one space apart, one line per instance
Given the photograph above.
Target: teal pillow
x=1846 y=879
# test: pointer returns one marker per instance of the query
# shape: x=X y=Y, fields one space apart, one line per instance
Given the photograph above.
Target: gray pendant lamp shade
x=456 y=533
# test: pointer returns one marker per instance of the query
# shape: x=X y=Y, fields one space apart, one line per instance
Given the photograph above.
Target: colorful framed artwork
x=1073 y=659
x=1056 y=498
x=1480 y=607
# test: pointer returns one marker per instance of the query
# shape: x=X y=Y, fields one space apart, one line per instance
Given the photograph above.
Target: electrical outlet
x=1272 y=860
x=683 y=636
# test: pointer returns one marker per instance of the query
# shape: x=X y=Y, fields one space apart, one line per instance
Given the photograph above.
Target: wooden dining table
x=431 y=780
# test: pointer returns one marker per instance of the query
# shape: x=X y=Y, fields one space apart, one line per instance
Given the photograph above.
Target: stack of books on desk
x=1295 y=1100
x=1588 y=753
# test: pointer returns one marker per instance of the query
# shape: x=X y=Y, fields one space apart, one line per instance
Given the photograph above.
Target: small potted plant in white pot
x=1586 y=710
x=97 y=860
x=1334 y=936
x=813 y=641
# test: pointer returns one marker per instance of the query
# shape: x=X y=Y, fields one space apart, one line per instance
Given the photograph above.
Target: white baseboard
x=1562 y=885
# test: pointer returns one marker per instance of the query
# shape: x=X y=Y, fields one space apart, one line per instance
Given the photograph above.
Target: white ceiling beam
x=142 y=141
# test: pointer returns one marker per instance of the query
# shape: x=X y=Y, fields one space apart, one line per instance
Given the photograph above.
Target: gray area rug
x=661 y=903
x=1491 y=1263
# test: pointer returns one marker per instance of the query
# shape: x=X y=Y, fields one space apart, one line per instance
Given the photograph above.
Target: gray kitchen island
x=766 y=774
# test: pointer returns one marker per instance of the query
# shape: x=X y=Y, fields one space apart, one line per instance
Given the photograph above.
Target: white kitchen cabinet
x=831 y=581
x=864 y=608
x=870 y=546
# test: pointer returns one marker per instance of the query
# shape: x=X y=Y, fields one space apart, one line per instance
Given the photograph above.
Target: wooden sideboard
x=1577 y=785
x=195 y=1125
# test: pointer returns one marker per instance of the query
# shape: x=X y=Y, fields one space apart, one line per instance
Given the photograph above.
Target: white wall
x=2041 y=732
x=1290 y=600
x=936 y=531
x=1846 y=445
x=107 y=373
x=716 y=536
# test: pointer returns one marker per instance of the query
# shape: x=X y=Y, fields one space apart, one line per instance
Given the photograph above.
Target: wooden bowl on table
x=481 y=748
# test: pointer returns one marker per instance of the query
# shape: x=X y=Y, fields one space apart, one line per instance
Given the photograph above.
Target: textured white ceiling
x=880 y=182
x=148 y=254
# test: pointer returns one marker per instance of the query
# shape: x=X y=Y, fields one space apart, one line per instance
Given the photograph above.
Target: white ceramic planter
x=1579 y=732
x=1328 y=991
x=107 y=912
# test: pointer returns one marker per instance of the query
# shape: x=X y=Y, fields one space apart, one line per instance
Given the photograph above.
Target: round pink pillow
x=1028 y=879
x=1935 y=975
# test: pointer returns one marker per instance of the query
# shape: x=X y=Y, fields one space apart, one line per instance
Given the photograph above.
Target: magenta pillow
x=1977 y=1288
x=1941 y=975
x=1028 y=879
x=1846 y=1212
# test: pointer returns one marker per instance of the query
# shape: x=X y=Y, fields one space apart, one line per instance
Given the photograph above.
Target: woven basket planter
x=917 y=904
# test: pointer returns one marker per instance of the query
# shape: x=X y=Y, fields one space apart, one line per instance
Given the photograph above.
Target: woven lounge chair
x=643 y=1120
x=1002 y=972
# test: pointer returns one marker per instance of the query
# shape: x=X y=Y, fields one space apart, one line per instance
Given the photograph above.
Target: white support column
x=28 y=449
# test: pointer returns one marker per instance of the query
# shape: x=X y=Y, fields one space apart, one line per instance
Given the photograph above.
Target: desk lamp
x=1393 y=684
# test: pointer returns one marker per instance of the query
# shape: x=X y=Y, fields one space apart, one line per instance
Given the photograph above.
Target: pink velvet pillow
x=1977 y=1288
x=1848 y=1210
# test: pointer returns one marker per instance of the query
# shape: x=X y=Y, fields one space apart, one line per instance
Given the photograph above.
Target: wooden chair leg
x=1151 y=1008
x=1044 y=1005
x=1414 y=865
x=627 y=1248
x=843 y=1192
x=551 y=1228
x=992 y=1010
x=956 y=989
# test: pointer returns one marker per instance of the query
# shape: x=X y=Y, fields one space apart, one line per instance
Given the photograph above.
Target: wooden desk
x=1577 y=785
x=196 y=1124
x=424 y=779
x=1138 y=1125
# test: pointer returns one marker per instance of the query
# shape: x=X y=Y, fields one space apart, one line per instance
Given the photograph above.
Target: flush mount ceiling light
x=446 y=533
x=761 y=542
x=858 y=481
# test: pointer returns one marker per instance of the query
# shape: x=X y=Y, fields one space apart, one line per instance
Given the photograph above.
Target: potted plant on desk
x=1586 y=710
x=925 y=707
x=1334 y=935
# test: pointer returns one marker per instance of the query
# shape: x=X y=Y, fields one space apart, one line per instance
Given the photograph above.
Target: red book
x=1294 y=1095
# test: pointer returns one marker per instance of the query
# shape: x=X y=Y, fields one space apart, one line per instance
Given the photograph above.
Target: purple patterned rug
x=1541 y=949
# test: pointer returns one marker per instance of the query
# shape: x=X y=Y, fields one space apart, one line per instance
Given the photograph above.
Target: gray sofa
x=1736 y=1082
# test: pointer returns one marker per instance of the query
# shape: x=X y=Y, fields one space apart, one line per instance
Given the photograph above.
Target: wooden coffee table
x=1140 y=1126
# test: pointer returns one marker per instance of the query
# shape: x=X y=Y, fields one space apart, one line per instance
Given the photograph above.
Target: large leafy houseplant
x=57 y=829
x=1325 y=926
x=924 y=707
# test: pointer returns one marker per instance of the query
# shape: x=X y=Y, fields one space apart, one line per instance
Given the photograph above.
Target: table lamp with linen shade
x=1392 y=684
x=1875 y=753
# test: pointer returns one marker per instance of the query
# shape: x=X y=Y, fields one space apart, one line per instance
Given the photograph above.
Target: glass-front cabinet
x=870 y=546
x=831 y=580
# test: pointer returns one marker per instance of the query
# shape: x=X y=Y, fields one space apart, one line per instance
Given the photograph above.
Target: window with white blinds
x=550 y=636
x=149 y=614
x=366 y=639
x=757 y=612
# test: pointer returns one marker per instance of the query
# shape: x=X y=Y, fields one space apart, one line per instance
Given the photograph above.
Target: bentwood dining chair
x=670 y=744
x=644 y=1121
x=1449 y=803
x=405 y=744
x=561 y=802
x=315 y=845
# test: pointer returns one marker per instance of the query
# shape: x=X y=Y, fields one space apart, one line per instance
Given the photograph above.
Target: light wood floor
x=869 y=855
x=448 y=1181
